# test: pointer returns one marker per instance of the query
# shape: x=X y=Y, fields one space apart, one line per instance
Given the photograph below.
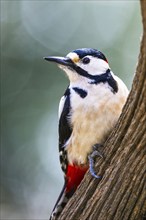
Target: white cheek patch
x=100 y=64
x=96 y=66
x=61 y=106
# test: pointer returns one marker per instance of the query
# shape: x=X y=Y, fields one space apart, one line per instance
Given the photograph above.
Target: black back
x=65 y=130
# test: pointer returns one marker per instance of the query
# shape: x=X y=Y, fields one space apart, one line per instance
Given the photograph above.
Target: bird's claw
x=91 y=158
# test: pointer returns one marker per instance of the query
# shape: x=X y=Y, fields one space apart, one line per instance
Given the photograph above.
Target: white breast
x=93 y=117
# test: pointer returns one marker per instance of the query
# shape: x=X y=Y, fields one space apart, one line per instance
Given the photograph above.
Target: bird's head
x=85 y=63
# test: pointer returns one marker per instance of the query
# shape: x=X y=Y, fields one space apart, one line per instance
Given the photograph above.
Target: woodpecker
x=88 y=110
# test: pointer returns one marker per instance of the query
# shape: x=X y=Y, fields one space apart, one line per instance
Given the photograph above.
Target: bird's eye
x=86 y=60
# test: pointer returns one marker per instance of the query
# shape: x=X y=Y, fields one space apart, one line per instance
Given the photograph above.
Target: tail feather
x=74 y=176
x=61 y=202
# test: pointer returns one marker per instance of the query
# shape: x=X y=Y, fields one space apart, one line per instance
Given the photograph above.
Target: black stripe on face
x=112 y=83
x=102 y=78
x=107 y=77
x=82 y=93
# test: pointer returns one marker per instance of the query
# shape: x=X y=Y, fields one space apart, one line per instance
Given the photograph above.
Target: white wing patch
x=61 y=105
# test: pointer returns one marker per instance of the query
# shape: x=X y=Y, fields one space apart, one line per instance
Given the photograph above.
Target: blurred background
x=31 y=178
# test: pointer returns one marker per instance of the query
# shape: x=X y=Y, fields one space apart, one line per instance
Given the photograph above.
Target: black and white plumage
x=88 y=111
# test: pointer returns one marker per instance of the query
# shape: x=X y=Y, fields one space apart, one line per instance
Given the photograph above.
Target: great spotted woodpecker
x=88 y=111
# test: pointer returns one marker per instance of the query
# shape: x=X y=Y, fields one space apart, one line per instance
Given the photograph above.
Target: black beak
x=65 y=61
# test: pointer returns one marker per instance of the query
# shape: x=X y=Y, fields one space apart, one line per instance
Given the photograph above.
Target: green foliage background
x=31 y=178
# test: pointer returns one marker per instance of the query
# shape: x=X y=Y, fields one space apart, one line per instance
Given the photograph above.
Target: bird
x=88 y=111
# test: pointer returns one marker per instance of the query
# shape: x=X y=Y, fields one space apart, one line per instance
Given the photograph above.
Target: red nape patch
x=74 y=176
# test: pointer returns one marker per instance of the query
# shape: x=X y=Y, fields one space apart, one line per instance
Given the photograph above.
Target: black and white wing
x=65 y=129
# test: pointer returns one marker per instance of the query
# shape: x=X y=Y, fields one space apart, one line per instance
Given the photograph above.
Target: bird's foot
x=91 y=158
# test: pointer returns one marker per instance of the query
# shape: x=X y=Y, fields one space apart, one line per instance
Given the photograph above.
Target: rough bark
x=120 y=193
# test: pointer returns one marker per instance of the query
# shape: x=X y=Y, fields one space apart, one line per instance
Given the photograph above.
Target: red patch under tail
x=74 y=175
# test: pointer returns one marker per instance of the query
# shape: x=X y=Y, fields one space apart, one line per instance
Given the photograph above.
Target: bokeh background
x=31 y=178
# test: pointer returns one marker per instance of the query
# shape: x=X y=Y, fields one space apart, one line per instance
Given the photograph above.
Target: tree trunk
x=120 y=193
